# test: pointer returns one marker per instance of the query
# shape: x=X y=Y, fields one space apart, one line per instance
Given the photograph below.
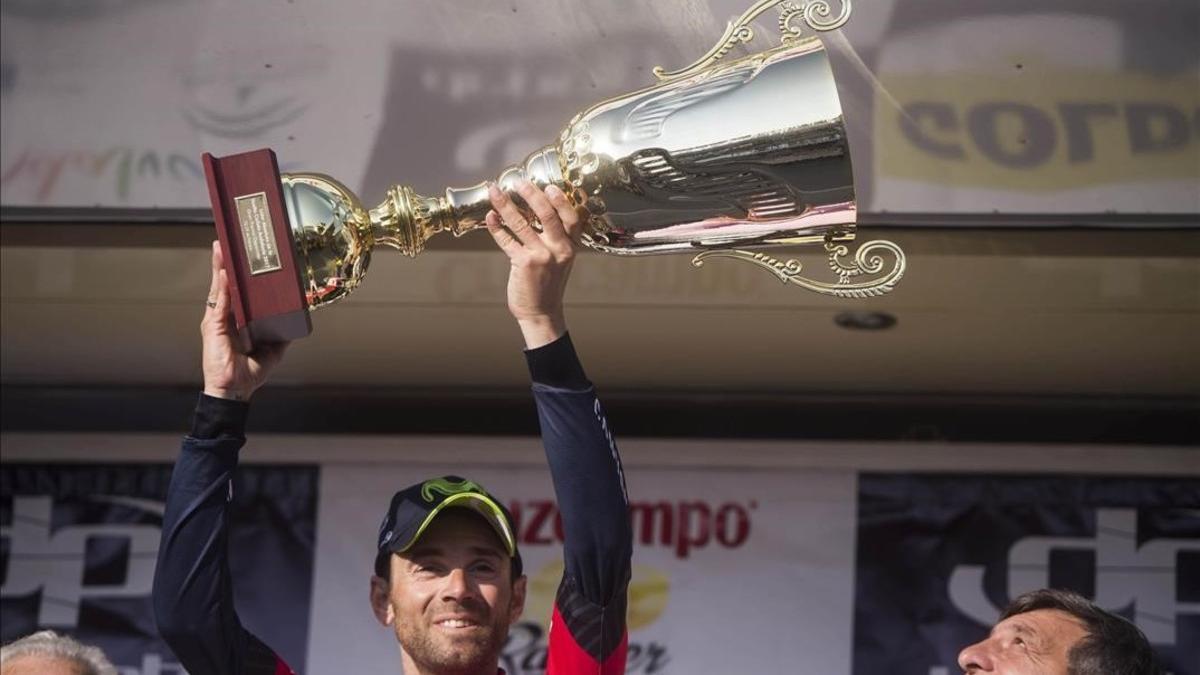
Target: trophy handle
x=847 y=286
x=814 y=13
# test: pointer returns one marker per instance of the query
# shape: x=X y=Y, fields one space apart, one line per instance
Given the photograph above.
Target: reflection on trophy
x=715 y=160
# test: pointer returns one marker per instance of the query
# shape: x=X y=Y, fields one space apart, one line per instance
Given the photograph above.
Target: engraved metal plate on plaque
x=258 y=234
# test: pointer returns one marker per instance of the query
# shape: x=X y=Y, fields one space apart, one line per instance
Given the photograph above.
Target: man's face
x=1032 y=643
x=451 y=597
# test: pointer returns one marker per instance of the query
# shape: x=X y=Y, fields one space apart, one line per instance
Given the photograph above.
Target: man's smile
x=456 y=622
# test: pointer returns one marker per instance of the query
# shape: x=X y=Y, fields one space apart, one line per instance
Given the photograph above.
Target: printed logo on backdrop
x=78 y=546
x=1075 y=96
x=1066 y=129
x=458 y=117
x=940 y=556
x=685 y=528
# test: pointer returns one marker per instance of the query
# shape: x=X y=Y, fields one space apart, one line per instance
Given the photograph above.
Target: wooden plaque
x=256 y=239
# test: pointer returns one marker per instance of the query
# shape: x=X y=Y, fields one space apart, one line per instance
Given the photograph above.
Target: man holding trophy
x=448 y=578
x=719 y=159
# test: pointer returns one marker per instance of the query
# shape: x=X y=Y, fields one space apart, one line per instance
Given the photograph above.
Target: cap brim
x=478 y=503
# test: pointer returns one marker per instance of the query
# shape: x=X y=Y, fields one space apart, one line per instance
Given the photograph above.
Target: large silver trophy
x=720 y=159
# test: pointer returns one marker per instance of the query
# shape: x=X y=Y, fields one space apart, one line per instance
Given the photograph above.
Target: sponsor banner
x=378 y=101
x=793 y=570
x=939 y=556
x=1036 y=107
x=78 y=545
x=112 y=103
x=955 y=106
x=734 y=570
x=1070 y=128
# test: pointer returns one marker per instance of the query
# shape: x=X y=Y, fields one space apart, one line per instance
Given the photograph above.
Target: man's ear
x=517 y=606
x=379 y=601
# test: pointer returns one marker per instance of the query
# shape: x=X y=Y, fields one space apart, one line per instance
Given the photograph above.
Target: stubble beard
x=478 y=652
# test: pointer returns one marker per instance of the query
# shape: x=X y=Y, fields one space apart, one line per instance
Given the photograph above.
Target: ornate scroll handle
x=864 y=263
x=813 y=12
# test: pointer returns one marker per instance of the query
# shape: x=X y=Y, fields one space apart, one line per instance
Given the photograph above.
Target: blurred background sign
x=964 y=107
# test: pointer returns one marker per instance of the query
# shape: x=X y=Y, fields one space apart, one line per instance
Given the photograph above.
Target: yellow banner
x=1059 y=130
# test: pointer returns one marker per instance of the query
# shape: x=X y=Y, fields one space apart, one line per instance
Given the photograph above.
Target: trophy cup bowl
x=715 y=160
x=332 y=236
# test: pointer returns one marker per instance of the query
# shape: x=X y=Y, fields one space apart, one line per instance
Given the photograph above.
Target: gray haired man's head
x=48 y=653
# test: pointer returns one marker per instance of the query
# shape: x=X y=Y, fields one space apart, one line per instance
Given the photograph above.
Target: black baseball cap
x=414 y=508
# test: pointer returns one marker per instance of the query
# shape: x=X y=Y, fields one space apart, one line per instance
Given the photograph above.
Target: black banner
x=78 y=544
x=938 y=557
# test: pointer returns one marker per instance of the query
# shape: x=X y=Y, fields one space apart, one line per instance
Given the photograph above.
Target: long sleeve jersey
x=193 y=588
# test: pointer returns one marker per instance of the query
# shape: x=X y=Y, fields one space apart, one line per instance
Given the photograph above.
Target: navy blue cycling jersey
x=193 y=588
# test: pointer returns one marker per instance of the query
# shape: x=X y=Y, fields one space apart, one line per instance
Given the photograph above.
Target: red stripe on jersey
x=566 y=657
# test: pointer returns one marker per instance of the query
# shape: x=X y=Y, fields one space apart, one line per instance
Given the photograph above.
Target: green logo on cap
x=448 y=487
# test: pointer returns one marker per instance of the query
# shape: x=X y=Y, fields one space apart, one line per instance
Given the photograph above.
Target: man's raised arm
x=588 y=631
x=193 y=591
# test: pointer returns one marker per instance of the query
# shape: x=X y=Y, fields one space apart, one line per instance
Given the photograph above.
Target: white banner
x=735 y=571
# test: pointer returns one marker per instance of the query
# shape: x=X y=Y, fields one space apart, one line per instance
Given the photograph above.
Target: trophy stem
x=406 y=220
x=469 y=206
